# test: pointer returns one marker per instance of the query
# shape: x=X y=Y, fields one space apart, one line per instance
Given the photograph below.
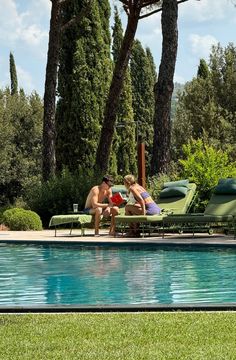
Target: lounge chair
x=80 y=218
x=219 y=213
x=175 y=198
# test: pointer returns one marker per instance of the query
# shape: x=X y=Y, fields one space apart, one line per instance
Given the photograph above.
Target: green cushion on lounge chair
x=173 y=191
x=138 y=218
x=220 y=209
x=227 y=181
x=182 y=183
x=225 y=188
x=178 y=205
x=221 y=205
x=67 y=219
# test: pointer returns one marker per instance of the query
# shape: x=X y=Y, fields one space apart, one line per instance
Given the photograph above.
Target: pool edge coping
x=118 y=308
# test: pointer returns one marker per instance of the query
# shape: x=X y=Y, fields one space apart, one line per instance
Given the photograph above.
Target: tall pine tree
x=13 y=75
x=83 y=80
x=143 y=75
x=164 y=88
x=123 y=155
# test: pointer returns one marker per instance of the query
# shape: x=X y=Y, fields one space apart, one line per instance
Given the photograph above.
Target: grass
x=138 y=336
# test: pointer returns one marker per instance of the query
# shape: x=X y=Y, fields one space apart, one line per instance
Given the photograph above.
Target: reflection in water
x=100 y=275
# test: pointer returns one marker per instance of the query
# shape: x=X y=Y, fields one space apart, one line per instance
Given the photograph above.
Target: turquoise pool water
x=104 y=275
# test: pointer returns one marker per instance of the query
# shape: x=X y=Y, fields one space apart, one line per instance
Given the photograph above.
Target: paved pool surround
x=63 y=236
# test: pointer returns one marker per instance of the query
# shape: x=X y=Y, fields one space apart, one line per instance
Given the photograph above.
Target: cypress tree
x=105 y=13
x=143 y=75
x=124 y=146
x=83 y=79
x=13 y=75
x=203 y=70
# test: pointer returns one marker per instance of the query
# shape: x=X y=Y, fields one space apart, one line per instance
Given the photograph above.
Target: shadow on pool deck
x=48 y=236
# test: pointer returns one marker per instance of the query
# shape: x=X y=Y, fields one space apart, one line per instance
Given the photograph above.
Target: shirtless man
x=94 y=204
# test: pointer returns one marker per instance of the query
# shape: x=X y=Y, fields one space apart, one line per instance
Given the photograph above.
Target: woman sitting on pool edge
x=143 y=203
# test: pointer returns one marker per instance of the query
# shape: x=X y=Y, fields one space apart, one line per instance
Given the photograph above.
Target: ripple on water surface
x=31 y=274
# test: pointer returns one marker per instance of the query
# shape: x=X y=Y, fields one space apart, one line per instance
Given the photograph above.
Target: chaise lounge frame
x=220 y=213
x=153 y=223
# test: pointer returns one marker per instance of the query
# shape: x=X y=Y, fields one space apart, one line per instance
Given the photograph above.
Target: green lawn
x=132 y=336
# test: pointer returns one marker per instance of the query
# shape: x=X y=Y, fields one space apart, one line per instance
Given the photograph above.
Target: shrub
x=2 y=210
x=21 y=219
x=205 y=165
x=155 y=184
x=57 y=195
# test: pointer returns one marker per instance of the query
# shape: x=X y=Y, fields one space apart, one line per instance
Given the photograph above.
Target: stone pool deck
x=63 y=236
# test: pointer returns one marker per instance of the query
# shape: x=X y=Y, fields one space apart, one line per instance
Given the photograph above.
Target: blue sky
x=24 y=26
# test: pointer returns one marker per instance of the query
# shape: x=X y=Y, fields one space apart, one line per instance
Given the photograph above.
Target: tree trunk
x=104 y=146
x=164 y=88
x=49 y=161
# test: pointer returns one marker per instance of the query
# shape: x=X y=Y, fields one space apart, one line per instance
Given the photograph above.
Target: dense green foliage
x=205 y=165
x=109 y=336
x=124 y=151
x=206 y=113
x=20 y=142
x=206 y=108
x=143 y=76
x=84 y=78
x=13 y=75
x=57 y=195
x=155 y=184
x=84 y=75
x=21 y=219
x=202 y=164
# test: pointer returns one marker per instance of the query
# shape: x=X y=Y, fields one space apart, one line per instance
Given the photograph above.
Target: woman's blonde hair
x=130 y=179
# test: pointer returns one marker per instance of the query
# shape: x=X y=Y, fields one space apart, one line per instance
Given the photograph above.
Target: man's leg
x=114 y=212
x=111 y=212
x=97 y=214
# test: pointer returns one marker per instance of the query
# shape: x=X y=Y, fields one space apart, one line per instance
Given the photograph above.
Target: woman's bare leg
x=133 y=210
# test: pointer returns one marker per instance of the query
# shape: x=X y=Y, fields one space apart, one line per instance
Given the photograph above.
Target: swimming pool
x=67 y=275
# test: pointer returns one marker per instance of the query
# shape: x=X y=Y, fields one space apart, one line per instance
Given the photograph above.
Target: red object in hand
x=117 y=199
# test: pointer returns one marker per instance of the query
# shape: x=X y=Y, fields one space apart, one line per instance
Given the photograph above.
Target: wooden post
x=141 y=165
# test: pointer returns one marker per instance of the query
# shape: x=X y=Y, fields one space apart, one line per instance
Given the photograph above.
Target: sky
x=24 y=26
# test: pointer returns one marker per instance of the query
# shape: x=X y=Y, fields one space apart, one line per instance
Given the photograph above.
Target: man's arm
x=109 y=195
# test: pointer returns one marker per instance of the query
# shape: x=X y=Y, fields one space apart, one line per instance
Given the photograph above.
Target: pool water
x=38 y=274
